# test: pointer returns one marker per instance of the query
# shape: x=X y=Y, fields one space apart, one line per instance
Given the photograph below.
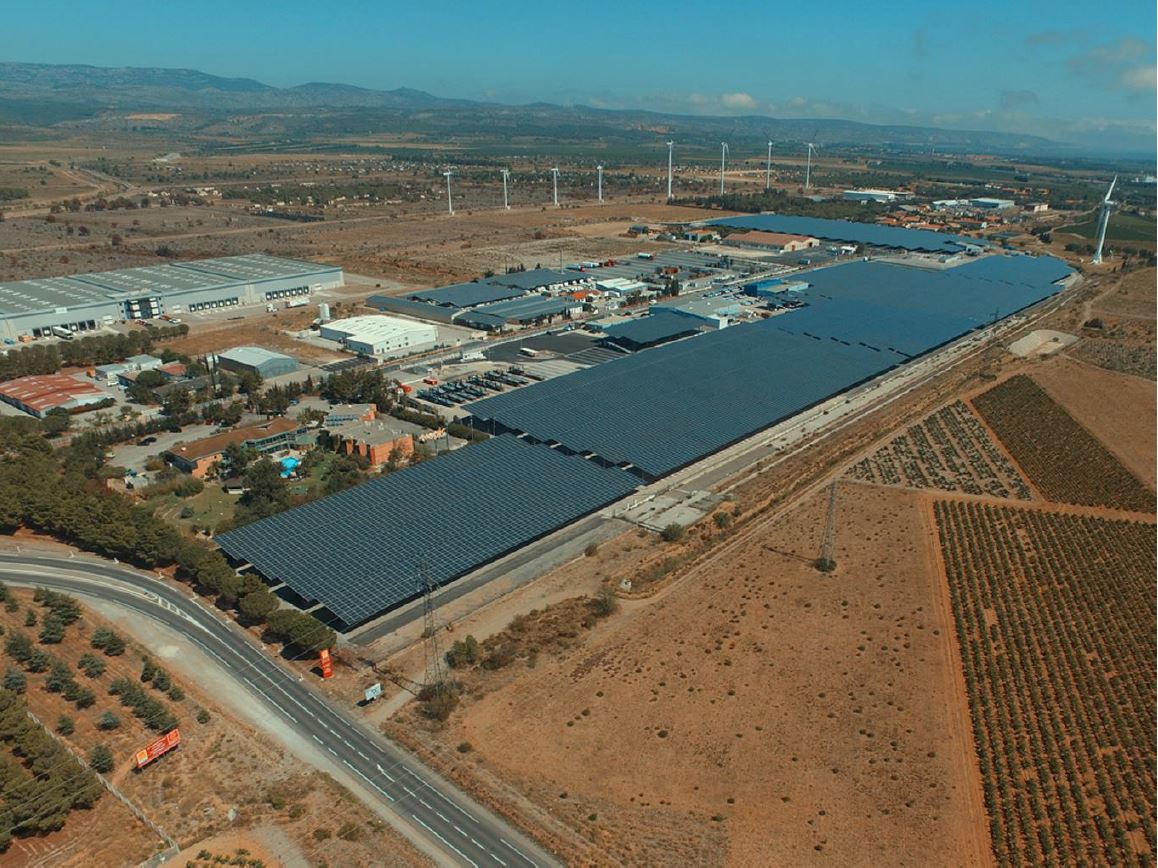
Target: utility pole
x=506 y=177
x=768 y=170
x=449 y=200
x=826 y=563
x=434 y=678
x=555 y=175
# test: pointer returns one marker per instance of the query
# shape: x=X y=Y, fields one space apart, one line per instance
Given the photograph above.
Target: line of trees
x=97 y=349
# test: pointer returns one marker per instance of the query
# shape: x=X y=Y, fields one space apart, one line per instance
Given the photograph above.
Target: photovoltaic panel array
x=663 y=408
x=912 y=310
x=853 y=233
x=666 y=407
x=361 y=552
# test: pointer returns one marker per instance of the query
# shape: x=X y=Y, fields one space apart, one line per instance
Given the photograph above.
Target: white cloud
x=738 y=101
x=1141 y=78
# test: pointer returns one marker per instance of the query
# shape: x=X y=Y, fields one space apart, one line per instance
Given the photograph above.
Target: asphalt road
x=437 y=812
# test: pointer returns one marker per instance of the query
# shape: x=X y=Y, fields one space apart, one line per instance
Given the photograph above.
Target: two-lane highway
x=438 y=814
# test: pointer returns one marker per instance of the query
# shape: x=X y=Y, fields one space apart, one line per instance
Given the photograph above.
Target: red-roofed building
x=174 y=370
x=39 y=394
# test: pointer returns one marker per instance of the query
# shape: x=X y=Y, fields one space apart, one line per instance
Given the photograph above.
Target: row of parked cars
x=477 y=386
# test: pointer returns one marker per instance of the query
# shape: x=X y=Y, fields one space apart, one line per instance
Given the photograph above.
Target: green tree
x=59 y=678
x=266 y=493
x=91 y=665
x=65 y=725
x=464 y=652
x=55 y=422
x=237 y=458
x=672 y=533
x=100 y=759
x=52 y=630
x=256 y=605
x=108 y=721
x=14 y=680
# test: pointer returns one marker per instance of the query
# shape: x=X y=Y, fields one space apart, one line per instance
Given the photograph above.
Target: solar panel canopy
x=661 y=409
x=361 y=552
x=853 y=233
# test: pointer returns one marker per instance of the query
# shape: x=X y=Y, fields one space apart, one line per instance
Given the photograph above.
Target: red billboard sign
x=158 y=748
x=326 y=663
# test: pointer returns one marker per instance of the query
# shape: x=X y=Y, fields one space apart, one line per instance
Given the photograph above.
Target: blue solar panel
x=360 y=551
x=852 y=233
x=467 y=294
x=666 y=407
x=651 y=329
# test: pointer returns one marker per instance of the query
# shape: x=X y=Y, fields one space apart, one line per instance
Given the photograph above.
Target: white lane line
x=460 y=831
x=370 y=782
x=496 y=858
x=515 y=849
x=383 y=771
x=441 y=795
x=318 y=740
x=444 y=841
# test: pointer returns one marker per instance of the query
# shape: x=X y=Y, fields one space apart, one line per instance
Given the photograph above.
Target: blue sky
x=1069 y=71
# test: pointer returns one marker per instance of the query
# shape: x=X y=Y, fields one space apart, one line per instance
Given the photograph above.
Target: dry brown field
x=756 y=712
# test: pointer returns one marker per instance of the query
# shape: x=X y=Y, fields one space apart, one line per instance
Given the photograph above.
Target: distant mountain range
x=47 y=95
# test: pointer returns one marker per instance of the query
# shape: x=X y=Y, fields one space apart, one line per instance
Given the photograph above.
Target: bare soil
x=1117 y=409
x=754 y=712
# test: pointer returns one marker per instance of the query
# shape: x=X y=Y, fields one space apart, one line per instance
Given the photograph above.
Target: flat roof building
x=381 y=336
x=256 y=360
x=776 y=242
x=84 y=302
x=37 y=395
x=872 y=195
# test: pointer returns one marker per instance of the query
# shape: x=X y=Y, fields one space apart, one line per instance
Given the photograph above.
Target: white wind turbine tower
x=808 y=170
x=723 y=164
x=449 y=200
x=670 y=147
x=1104 y=222
x=768 y=170
x=506 y=178
x=555 y=174
x=599 y=169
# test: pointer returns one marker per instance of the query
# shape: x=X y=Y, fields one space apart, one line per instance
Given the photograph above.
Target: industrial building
x=381 y=337
x=85 y=302
x=256 y=360
x=873 y=195
x=773 y=242
x=40 y=394
x=376 y=439
x=715 y=313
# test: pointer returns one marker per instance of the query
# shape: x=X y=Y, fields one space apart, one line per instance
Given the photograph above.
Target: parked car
x=146 y=441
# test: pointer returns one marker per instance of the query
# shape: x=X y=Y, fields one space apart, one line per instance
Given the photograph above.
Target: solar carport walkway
x=360 y=552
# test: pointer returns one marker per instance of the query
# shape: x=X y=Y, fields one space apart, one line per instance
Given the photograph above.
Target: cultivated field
x=949 y=451
x=1055 y=616
x=757 y=712
x=1118 y=410
x=1060 y=457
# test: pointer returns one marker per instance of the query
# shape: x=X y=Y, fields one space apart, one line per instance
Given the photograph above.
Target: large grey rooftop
x=79 y=290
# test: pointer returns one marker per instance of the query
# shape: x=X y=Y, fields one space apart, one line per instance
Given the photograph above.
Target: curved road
x=436 y=811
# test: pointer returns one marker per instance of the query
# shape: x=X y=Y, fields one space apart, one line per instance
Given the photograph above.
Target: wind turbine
x=555 y=173
x=599 y=169
x=808 y=170
x=1104 y=222
x=449 y=200
x=670 y=147
x=723 y=163
x=506 y=178
x=768 y=170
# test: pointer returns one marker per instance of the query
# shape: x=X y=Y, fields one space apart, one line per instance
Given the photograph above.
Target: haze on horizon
x=1073 y=73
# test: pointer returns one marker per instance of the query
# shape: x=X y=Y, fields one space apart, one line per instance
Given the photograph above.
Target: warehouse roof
x=363 y=551
x=856 y=233
x=466 y=294
x=253 y=357
x=372 y=328
x=529 y=307
x=652 y=329
x=45 y=392
x=49 y=293
x=537 y=278
x=757 y=236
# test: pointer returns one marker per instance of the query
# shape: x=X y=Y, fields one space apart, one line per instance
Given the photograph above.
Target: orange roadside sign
x=327 y=664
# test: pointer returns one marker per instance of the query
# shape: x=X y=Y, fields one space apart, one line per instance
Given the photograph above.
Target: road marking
x=515 y=849
x=496 y=858
x=444 y=841
x=318 y=740
x=441 y=795
x=370 y=782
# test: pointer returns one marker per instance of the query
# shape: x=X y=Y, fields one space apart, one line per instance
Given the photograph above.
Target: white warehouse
x=381 y=336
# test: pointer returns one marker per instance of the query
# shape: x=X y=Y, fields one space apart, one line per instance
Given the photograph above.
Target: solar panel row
x=671 y=405
x=853 y=233
x=361 y=552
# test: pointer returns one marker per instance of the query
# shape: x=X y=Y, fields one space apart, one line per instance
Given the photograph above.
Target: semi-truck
x=62 y=333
